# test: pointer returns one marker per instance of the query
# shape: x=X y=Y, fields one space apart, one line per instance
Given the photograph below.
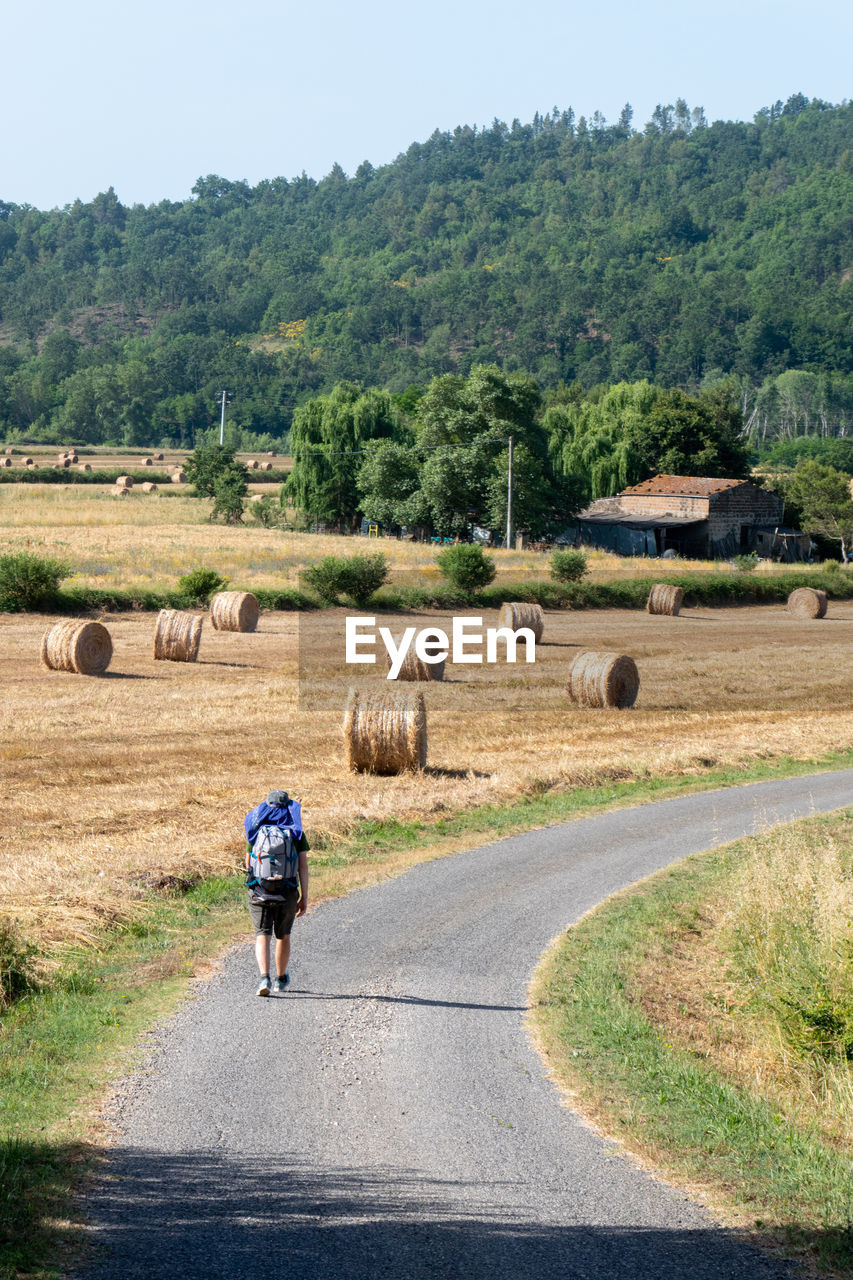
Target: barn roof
x=682 y=486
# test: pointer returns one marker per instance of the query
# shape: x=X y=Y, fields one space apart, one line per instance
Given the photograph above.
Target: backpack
x=273 y=858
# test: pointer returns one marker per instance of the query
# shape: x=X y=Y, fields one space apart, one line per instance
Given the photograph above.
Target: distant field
x=152 y=539
x=126 y=459
x=152 y=767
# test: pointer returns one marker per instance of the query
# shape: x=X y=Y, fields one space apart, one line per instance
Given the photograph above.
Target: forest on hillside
x=581 y=252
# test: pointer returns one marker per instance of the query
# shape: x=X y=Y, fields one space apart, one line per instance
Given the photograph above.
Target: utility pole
x=509 y=498
x=223 y=396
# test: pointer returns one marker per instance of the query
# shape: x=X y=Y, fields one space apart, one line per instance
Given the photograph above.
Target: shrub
x=568 y=565
x=466 y=566
x=29 y=582
x=16 y=968
x=267 y=512
x=199 y=585
x=229 y=493
x=365 y=575
x=746 y=563
x=354 y=576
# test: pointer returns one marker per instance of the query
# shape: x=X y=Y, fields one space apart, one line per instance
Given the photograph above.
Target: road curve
x=388 y=1117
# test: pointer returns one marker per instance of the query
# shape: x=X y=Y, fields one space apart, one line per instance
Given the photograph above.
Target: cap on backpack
x=278 y=797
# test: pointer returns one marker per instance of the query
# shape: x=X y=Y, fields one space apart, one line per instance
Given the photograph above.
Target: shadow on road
x=297 y=993
x=212 y=1217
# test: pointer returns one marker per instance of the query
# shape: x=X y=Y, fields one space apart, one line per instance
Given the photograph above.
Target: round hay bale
x=27 y=462
x=523 y=615
x=84 y=647
x=121 y=492
x=603 y=680
x=234 y=611
x=147 y=462
x=270 y=453
x=385 y=732
x=807 y=602
x=266 y=466
x=252 y=464
x=72 y=458
x=124 y=482
x=5 y=462
x=84 y=466
x=177 y=636
x=665 y=598
x=9 y=450
x=62 y=463
x=148 y=486
x=178 y=477
x=413 y=668
x=158 y=457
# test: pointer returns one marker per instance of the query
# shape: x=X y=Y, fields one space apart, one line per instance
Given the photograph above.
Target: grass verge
x=720 y=1111
x=64 y=1042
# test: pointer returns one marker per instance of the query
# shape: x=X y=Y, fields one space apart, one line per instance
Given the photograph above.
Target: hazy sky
x=147 y=97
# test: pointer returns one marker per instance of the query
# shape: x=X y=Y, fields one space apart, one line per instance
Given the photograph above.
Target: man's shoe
x=281 y=984
x=263 y=986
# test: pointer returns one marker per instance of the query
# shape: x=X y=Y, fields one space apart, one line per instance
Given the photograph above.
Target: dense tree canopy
x=680 y=252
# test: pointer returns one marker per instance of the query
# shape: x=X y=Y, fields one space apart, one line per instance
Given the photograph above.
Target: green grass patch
x=62 y=1043
x=772 y=1165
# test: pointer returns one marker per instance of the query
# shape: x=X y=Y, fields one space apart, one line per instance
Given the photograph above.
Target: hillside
x=572 y=249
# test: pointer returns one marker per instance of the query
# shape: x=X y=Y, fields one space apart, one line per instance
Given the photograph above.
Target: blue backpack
x=273 y=833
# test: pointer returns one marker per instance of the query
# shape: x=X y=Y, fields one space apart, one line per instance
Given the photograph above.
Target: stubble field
x=149 y=770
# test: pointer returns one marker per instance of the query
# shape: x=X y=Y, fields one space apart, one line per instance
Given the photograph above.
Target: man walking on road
x=277 y=881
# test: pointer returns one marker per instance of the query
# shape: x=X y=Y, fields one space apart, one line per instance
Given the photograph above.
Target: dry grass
x=725 y=988
x=150 y=540
x=154 y=766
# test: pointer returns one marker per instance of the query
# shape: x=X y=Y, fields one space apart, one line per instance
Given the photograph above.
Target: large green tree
x=635 y=430
x=820 y=495
x=328 y=439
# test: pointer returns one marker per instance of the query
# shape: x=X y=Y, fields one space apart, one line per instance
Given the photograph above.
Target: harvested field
x=155 y=764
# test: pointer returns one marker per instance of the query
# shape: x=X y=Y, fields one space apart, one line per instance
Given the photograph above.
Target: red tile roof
x=689 y=486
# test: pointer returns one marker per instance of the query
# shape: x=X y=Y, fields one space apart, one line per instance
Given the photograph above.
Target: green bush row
x=31 y=583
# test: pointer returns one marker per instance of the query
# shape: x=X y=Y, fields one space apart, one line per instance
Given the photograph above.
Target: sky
x=148 y=97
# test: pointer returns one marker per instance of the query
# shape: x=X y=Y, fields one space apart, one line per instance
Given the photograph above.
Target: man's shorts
x=275 y=917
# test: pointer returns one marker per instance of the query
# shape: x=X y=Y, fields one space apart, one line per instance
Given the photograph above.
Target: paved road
x=388 y=1117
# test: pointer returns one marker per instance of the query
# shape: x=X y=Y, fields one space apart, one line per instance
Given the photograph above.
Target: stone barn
x=692 y=516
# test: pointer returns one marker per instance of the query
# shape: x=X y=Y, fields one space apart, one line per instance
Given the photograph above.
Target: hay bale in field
x=62 y=463
x=124 y=482
x=148 y=486
x=147 y=462
x=413 y=668
x=5 y=462
x=158 y=457
x=270 y=453
x=72 y=458
x=385 y=732
x=665 y=598
x=177 y=636
x=121 y=492
x=8 y=451
x=266 y=466
x=84 y=647
x=523 y=615
x=252 y=464
x=27 y=462
x=84 y=466
x=234 y=611
x=603 y=680
x=178 y=477
x=807 y=602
